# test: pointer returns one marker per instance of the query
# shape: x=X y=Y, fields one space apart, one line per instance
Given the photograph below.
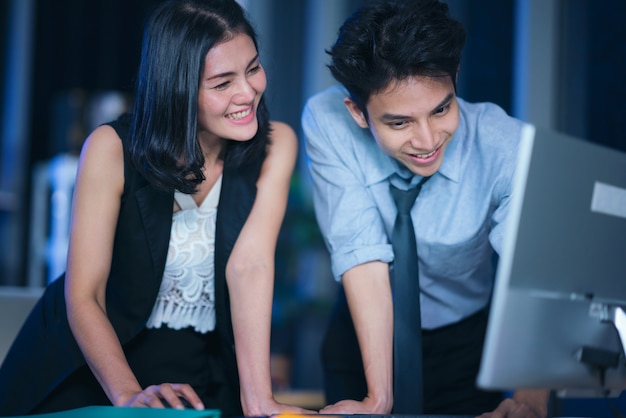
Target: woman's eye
x=254 y=69
x=222 y=86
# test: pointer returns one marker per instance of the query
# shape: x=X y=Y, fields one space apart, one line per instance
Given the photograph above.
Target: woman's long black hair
x=163 y=135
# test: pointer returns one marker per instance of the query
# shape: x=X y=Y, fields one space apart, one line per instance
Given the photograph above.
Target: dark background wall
x=86 y=45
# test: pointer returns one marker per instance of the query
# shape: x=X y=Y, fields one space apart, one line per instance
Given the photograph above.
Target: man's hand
x=527 y=403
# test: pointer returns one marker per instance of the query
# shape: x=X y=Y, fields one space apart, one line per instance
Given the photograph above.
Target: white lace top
x=187 y=294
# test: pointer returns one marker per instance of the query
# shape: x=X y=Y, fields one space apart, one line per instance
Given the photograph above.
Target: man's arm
x=355 y=235
x=368 y=293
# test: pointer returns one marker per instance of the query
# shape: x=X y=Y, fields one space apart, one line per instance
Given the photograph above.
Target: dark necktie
x=407 y=328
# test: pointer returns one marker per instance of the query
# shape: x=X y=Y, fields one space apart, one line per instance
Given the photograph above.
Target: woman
x=167 y=296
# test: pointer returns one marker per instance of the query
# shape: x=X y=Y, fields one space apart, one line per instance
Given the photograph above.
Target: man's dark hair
x=392 y=40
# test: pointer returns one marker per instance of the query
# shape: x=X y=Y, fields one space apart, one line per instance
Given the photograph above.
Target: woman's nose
x=245 y=92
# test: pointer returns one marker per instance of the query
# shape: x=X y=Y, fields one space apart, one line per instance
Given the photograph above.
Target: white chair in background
x=53 y=189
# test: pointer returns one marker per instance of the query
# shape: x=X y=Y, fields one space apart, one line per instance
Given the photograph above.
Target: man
x=396 y=120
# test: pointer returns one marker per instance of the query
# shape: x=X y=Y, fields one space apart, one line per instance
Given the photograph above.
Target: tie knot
x=404 y=199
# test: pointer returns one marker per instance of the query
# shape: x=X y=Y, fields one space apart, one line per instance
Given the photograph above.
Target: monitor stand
x=598 y=359
x=611 y=313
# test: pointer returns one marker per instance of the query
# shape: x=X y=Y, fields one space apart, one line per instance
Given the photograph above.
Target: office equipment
x=557 y=316
x=127 y=412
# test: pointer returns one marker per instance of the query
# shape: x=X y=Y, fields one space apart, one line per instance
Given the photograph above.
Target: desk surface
x=119 y=412
x=122 y=412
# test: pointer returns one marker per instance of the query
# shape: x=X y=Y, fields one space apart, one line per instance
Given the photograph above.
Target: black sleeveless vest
x=45 y=351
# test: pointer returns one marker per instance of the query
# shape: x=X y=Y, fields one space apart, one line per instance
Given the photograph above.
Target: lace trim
x=177 y=315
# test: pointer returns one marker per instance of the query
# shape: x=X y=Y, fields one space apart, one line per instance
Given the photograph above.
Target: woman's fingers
x=187 y=393
x=168 y=395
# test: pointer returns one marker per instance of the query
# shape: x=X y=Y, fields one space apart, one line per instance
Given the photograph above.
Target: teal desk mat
x=126 y=412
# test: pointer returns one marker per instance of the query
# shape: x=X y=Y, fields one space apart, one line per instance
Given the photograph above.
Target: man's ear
x=355 y=112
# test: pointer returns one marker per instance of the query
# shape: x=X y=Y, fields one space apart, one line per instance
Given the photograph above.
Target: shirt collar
x=453 y=158
x=377 y=166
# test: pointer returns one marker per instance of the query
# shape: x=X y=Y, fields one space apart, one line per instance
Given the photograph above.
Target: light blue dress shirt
x=458 y=216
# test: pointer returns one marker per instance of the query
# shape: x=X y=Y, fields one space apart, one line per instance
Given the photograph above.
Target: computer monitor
x=555 y=318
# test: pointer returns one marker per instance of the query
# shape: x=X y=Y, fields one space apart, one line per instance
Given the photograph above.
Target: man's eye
x=442 y=109
x=397 y=124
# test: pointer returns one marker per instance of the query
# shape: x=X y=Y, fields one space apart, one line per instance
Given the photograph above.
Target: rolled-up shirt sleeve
x=346 y=211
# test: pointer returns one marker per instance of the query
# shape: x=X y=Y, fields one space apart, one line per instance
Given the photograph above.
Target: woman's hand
x=367 y=406
x=166 y=395
x=272 y=407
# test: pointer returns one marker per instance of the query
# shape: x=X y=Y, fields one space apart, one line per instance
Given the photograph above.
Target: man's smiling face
x=412 y=120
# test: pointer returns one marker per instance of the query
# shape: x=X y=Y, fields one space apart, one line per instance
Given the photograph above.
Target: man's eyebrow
x=388 y=117
x=230 y=73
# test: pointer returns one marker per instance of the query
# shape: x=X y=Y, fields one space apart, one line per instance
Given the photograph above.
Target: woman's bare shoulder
x=283 y=139
x=104 y=139
x=282 y=131
x=102 y=157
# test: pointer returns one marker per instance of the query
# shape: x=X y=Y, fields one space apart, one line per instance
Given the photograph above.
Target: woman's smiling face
x=232 y=84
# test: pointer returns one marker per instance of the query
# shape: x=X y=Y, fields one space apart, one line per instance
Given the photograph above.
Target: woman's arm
x=96 y=205
x=250 y=274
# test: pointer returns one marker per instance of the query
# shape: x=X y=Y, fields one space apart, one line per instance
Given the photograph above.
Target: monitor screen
x=561 y=279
